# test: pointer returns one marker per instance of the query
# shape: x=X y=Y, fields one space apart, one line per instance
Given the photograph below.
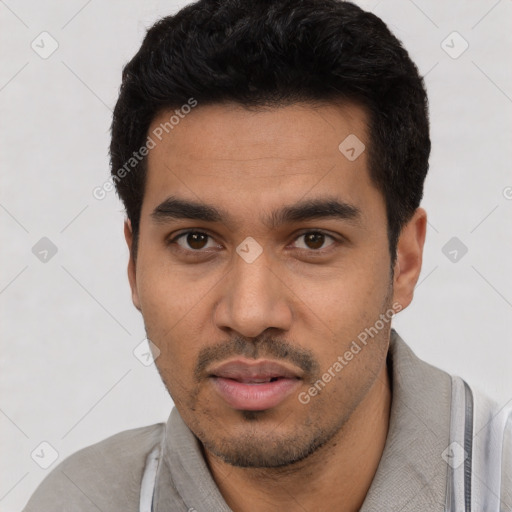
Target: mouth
x=254 y=385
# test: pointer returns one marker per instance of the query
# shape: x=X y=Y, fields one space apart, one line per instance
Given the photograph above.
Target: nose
x=253 y=298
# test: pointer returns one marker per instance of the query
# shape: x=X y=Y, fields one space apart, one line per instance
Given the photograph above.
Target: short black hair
x=269 y=53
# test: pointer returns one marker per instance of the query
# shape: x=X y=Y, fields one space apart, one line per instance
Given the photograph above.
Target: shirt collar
x=412 y=473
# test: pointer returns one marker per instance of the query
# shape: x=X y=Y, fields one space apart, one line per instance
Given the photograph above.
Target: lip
x=254 y=385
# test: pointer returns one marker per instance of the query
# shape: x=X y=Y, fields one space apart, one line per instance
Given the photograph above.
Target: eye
x=193 y=241
x=314 y=240
x=199 y=241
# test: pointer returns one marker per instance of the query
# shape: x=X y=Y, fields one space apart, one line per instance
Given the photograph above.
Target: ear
x=409 y=258
x=132 y=274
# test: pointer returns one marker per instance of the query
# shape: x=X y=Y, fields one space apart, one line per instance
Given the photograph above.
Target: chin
x=262 y=448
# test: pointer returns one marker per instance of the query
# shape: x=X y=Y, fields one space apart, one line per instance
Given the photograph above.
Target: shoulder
x=491 y=451
x=104 y=476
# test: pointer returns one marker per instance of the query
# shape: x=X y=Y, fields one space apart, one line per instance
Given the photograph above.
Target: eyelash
x=323 y=251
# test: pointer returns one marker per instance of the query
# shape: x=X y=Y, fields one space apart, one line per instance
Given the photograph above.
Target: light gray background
x=68 y=373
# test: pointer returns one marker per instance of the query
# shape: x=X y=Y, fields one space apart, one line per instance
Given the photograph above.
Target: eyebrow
x=175 y=208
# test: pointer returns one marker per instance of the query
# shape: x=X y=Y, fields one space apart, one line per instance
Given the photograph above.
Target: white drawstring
x=148 y=480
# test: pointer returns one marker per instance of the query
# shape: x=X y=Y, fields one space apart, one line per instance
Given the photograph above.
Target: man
x=271 y=158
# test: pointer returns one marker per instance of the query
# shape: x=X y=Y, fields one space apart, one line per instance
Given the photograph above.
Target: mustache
x=263 y=346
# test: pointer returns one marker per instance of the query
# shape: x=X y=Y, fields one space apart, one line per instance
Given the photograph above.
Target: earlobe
x=409 y=258
x=132 y=271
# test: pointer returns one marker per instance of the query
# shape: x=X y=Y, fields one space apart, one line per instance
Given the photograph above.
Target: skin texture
x=299 y=302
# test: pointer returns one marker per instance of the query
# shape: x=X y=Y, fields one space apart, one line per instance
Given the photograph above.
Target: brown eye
x=194 y=241
x=197 y=240
x=313 y=240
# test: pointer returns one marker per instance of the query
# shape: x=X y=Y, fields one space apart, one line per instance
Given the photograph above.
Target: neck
x=336 y=477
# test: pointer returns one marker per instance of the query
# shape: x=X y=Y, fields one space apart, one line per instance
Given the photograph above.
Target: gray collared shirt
x=418 y=470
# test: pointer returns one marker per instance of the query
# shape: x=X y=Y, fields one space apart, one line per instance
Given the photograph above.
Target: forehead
x=225 y=153
x=227 y=131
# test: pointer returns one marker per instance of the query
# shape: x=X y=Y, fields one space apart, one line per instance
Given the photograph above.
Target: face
x=262 y=258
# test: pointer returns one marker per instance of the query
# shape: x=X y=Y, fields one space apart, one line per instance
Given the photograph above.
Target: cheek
x=345 y=309
x=168 y=294
x=170 y=309
x=346 y=299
